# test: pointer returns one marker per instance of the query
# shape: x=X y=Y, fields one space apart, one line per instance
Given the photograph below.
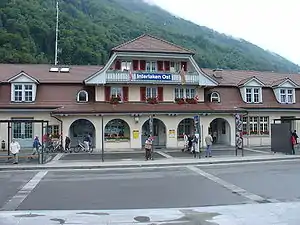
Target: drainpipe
x=61 y=127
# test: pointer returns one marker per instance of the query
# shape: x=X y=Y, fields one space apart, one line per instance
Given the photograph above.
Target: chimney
x=217 y=73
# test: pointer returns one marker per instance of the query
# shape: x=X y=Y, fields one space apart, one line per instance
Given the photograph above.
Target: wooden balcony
x=150 y=78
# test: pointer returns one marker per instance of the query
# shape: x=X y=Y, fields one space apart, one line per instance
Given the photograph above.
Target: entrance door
x=23 y=133
x=159 y=133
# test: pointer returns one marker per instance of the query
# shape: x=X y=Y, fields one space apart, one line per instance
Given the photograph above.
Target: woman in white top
x=15 y=149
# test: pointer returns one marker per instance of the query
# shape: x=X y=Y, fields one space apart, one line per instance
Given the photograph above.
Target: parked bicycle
x=81 y=147
x=54 y=147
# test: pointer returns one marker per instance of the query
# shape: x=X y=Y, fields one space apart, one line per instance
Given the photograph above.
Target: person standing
x=208 y=141
x=15 y=149
x=148 y=148
x=215 y=136
x=87 y=142
x=67 y=143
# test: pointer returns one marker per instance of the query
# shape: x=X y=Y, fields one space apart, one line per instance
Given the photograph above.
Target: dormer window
x=252 y=95
x=22 y=92
x=82 y=96
x=215 y=97
x=286 y=95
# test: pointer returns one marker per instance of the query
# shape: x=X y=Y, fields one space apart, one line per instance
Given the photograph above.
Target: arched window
x=82 y=96
x=117 y=129
x=215 y=97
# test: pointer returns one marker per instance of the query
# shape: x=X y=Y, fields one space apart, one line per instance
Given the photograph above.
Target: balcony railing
x=148 y=77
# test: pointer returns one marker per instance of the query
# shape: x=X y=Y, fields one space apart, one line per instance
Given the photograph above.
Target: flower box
x=180 y=101
x=115 y=100
x=191 y=101
x=265 y=132
x=152 y=100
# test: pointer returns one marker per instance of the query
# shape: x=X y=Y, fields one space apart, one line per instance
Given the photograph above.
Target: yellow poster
x=171 y=133
x=136 y=134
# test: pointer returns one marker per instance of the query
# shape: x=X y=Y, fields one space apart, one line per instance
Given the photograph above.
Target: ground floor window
x=22 y=130
x=117 y=129
x=53 y=130
x=256 y=125
x=186 y=126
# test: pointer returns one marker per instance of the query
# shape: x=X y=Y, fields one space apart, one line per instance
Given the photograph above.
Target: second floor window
x=116 y=91
x=151 y=66
x=151 y=92
x=252 y=95
x=286 y=96
x=23 y=92
x=185 y=93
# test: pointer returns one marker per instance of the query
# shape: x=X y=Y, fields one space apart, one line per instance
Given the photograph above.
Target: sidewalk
x=92 y=164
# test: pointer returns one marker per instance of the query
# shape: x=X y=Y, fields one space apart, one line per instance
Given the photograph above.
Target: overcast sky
x=272 y=25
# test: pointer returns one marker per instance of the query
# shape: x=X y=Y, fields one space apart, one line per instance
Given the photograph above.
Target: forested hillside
x=90 y=28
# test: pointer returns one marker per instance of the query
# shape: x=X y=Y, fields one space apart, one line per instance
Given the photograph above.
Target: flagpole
x=56 y=34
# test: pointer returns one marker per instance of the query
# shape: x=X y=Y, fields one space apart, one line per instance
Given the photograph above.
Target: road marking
x=258 y=151
x=164 y=154
x=22 y=194
x=56 y=158
x=233 y=188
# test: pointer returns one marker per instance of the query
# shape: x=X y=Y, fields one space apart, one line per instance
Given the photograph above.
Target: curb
x=54 y=167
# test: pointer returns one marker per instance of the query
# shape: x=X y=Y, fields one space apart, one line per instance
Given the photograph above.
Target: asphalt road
x=151 y=188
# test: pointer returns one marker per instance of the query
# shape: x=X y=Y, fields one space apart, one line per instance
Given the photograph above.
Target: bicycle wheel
x=77 y=149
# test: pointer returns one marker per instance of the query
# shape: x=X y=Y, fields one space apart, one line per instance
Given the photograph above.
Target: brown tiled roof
x=235 y=77
x=41 y=73
x=148 y=43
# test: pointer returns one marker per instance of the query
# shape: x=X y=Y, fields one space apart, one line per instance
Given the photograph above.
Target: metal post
x=235 y=134
x=102 y=141
x=42 y=153
x=151 y=134
x=8 y=137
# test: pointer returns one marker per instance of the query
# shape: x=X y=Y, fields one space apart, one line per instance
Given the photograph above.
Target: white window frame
x=260 y=124
x=126 y=65
x=174 y=66
x=54 y=129
x=286 y=95
x=254 y=96
x=183 y=93
x=215 y=97
x=86 y=96
x=23 y=92
x=151 y=92
x=115 y=90
x=151 y=66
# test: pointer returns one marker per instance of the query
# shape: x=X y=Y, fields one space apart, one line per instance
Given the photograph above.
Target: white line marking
x=164 y=154
x=137 y=167
x=22 y=194
x=240 y=191
x=253 y=150
x=56 y=158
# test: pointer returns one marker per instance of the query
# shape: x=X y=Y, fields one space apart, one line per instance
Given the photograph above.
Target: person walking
x=208 y=141
x=15 y=149
x=36 y=145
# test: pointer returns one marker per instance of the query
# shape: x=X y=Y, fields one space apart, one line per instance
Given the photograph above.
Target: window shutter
x=135 y=64
x=143 y=94
x=118 y=65
x=160 y=92
x=167 y=66
x=125 y=94
x=142 y=65
x=107 y=93
x=185 y=65
x=160 y=65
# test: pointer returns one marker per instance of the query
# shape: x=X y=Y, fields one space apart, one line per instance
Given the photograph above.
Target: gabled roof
x=22 y=73
x=280 y=82
x=247 y=80
x=149 y=43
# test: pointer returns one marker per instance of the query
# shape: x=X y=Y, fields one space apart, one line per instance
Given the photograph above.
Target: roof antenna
x=56 y=35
